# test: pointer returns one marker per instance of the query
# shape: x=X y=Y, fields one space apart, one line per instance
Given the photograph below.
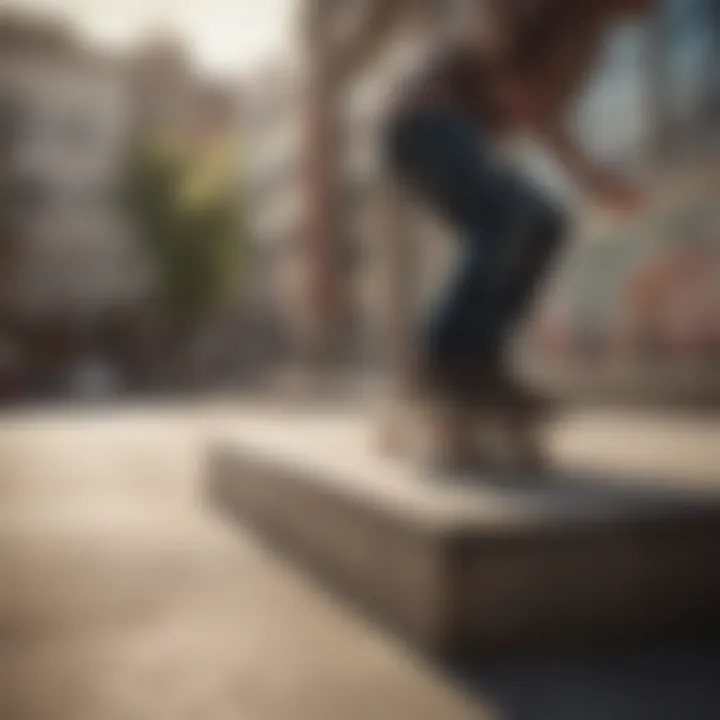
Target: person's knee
x=545 y=219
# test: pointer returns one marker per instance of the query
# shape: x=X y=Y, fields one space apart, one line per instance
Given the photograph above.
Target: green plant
x=187 y=216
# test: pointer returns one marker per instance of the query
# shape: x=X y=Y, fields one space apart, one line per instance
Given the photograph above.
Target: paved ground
x=123 y=597
x=677 y=449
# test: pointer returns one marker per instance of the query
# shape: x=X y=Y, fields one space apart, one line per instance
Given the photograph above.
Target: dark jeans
x=508 y=234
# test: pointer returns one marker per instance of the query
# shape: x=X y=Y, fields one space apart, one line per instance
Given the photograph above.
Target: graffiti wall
x=650 y=290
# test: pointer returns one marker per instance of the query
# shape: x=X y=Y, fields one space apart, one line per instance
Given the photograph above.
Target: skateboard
x=512 y=438
x=480 y=437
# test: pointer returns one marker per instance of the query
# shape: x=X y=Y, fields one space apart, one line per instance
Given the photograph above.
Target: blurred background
x=185 y=206
x=195 y=224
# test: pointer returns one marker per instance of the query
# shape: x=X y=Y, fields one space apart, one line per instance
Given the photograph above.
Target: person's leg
x=533 y=243
x=461 y=335
x=531 y=232
x=508 y=236
x=442 y=159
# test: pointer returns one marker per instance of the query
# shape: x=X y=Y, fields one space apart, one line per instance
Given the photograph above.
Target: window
x=658 y=81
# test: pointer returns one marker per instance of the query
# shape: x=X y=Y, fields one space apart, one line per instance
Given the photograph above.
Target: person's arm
x=554 y=134
x=604 y=186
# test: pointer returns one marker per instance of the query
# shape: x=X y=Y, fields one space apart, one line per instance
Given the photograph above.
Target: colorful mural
x=651 y=290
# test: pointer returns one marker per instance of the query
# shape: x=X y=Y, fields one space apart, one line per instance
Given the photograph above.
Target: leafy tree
x=186 y=214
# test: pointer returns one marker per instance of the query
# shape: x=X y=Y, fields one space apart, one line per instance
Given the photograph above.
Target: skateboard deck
x=492 y=437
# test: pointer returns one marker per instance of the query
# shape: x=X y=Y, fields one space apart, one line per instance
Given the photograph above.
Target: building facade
x=171 y=99
x=64 y=120
x=274 y=152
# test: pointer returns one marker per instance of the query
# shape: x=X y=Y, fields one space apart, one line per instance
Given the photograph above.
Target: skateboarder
x=515 y=72
x=510 y=67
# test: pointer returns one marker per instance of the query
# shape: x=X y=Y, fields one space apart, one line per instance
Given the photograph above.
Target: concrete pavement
x=123 y=597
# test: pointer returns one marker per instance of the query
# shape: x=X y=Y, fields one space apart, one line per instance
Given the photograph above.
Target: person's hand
x=621 y=198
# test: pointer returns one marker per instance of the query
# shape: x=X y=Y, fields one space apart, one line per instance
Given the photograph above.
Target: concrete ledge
x=481 y=566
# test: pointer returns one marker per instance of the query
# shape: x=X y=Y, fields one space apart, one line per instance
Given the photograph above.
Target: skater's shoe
x=521 y=398
x=396 y=432
x=492 y=384
x=507 y=419
x=430 y=425
x=450 y=448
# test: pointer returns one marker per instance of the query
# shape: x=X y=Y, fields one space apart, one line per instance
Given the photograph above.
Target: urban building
x=64 y=121
x=75 y=279
x=273 y=156
x=171 y=99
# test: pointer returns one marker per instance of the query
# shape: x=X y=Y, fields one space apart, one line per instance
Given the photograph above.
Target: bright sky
x=227 y=36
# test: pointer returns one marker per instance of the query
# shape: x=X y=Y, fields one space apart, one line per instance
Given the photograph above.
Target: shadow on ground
x=669 y=681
